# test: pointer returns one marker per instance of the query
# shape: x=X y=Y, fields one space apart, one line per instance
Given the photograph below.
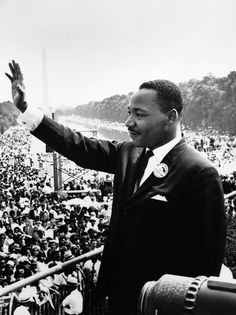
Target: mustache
x=132 y=130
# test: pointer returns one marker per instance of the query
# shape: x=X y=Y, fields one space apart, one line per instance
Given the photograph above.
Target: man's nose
x=130 y=122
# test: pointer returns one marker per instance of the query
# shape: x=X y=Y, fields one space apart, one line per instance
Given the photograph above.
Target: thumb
x=20 y=89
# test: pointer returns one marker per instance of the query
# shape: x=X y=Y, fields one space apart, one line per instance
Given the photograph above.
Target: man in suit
x=169 y=219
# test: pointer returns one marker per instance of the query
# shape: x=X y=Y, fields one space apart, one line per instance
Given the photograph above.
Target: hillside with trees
x=209 y=103
x=8 y=116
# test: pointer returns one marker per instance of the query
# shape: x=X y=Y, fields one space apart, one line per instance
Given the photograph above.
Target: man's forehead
x=143 y=98
x=142 y=95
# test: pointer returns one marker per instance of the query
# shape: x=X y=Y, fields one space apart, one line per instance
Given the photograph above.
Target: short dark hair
x=168 y=94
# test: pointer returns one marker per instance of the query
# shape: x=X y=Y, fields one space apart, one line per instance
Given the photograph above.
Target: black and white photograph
x=118 y=157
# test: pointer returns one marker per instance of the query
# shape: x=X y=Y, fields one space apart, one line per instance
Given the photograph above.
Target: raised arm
x=88 y=153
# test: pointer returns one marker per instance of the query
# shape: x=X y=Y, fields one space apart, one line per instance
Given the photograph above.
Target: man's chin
x=136 y=138
x=137 y=143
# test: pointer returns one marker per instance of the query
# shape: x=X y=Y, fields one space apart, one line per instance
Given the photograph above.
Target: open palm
x=17 y=86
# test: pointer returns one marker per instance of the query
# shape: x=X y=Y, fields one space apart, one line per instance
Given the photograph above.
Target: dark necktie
x=142 y=167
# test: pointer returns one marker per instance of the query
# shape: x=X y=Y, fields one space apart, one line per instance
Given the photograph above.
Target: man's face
x=147 y=124
x=53 y=245
x=45 y=244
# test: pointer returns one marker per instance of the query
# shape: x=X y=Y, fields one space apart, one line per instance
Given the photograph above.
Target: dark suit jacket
x=184 y=235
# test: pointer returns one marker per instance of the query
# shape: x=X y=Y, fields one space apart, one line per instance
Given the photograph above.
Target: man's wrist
x=31 y=118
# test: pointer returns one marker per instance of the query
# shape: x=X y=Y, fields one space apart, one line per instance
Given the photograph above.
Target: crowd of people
x=40 y=228
x=218 y=148
x=221 y=151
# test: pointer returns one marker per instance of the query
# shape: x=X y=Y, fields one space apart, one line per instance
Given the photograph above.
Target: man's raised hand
x=17 y=86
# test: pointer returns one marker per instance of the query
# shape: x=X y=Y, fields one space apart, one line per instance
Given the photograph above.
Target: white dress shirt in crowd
x=73 y=303
x=21 y=310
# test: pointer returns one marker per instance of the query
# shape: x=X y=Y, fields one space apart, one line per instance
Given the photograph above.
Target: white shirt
x=47 y=190
x=21 y=310
x=60 y=279
x=73 y=303
x=31 y=118
x=159 y=154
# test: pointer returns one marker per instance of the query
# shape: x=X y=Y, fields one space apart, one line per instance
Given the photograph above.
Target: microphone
x=177 y=295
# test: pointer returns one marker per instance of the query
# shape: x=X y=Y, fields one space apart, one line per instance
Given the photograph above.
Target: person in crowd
x=165 y=194
x=24 y=301
x=73 y=303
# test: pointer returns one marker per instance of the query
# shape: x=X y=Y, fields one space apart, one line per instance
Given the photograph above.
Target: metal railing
x=43 y=274
x=230 y=195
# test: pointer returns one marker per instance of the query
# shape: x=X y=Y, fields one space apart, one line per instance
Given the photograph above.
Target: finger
x=12 y=70
x=18 y=71
x=9 y=77
x=14 y=64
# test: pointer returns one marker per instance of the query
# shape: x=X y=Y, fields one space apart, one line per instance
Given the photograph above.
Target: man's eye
x=139 y=115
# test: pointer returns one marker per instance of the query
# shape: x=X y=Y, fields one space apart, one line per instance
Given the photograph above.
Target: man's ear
x=172 y=115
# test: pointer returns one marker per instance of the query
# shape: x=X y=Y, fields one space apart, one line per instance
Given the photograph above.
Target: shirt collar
x=163 y=150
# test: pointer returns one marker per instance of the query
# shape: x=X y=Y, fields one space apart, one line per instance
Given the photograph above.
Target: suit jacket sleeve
x=86 y=152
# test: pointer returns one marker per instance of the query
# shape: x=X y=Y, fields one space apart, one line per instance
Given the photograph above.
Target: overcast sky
x=98 y=48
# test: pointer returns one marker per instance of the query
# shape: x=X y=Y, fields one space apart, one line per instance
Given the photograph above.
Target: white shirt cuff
x=31 y=118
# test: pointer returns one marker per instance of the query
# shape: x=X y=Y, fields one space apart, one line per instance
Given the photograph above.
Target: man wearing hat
x=9 y=270
x=73 y=303
x=36 y=251
x=68 y=255
x=168 y=205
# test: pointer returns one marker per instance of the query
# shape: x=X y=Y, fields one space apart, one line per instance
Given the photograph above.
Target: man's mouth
x=133 y=133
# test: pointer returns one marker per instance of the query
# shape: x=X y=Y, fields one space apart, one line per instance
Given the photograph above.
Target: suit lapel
x=146 y=189
x=131 y=175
